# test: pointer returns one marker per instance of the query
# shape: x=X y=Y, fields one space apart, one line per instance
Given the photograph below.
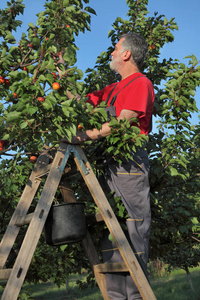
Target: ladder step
x=24 y=220
x=5 y=273
x=90 y=219
x=43 y=171
x=111 y=267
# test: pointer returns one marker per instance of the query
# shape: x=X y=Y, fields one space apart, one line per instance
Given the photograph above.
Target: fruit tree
x=37 y=75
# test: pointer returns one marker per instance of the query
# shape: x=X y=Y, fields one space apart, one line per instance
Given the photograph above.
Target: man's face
x=116 y=60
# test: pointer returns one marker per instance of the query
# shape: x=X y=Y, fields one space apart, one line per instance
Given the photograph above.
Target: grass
x=172 y=287
x=176 y=286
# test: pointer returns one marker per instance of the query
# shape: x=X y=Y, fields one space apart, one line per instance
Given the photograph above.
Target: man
x=135 y=98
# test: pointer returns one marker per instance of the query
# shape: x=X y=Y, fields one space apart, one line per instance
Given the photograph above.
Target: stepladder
x=54 y=169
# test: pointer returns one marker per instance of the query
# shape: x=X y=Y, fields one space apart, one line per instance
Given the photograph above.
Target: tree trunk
x=190 y=280
x=67 y=285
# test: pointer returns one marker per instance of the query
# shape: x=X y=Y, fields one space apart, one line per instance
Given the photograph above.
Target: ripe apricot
x=41 y=99
x=33 y=159
x=152 y=46
x=2 y=79
x=56 y=86
x=80 y=127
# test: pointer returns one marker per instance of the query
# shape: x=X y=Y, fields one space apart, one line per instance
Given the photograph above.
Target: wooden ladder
x=15 y=276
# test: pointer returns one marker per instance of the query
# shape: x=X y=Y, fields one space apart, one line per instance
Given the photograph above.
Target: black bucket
x=65 y=224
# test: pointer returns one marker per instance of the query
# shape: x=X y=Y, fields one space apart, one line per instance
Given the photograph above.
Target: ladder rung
x=111 y=267
x=45 y=170
x=99 y=217
x=5 y=273
x=24 y=220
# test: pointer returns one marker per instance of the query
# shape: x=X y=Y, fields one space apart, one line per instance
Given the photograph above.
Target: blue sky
x=91 y=44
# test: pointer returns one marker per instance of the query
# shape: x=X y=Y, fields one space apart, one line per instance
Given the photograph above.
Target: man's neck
x=128 y=70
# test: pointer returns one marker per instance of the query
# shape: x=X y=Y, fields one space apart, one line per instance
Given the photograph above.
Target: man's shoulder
x=136 y=79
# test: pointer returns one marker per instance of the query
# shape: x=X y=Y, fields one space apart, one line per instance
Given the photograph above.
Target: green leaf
x=80 y=73
x=42 y=78
x=113 y=122
x=12 y=48
x=30 y=25
x=65 y=2
x=165 y=21
x=10 y=38
x=63 y=247
x=70 y=8
x=67 y=134
x=4 y=52
x=196 y=74
x=23 y=124
x=47 y=104
x=111 y=32
x=6 y=137
x=90 y=10
x=101 y=111
x=14 y=74
x=173 y=171
x=72 y=128
x=192 y=92
x=12 y=116
x=110 y=237
x=32 y=110
x=195 y=221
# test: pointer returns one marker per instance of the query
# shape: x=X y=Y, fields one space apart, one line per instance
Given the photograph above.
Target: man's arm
x=128 y=114
x=105 y=130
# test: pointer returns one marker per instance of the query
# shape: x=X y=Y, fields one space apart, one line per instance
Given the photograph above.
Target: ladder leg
x=93 y=258
x=101 y=279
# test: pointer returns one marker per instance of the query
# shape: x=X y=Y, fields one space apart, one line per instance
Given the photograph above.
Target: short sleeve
x=138 y=96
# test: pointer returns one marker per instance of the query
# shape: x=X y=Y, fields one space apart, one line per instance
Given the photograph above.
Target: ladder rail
x=21 y=210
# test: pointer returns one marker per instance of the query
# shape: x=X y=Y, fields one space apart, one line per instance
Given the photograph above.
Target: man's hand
x=60 y=73
x=60 y=61
x=89 y=135
x=75 y=140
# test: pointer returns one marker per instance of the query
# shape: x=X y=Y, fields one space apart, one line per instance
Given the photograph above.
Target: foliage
x=174 y=149
x=34 y=114
x=31 y=70
x=174 y=172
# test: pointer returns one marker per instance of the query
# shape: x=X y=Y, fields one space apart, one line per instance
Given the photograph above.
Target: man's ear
x=126 y=55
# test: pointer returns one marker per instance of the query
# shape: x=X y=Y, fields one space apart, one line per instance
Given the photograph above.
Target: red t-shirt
x=137 y=96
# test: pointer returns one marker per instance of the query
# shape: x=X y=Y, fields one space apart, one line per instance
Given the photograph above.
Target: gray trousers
x=130 y=182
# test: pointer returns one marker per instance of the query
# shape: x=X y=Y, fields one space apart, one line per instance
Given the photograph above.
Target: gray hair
x=137 y=45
